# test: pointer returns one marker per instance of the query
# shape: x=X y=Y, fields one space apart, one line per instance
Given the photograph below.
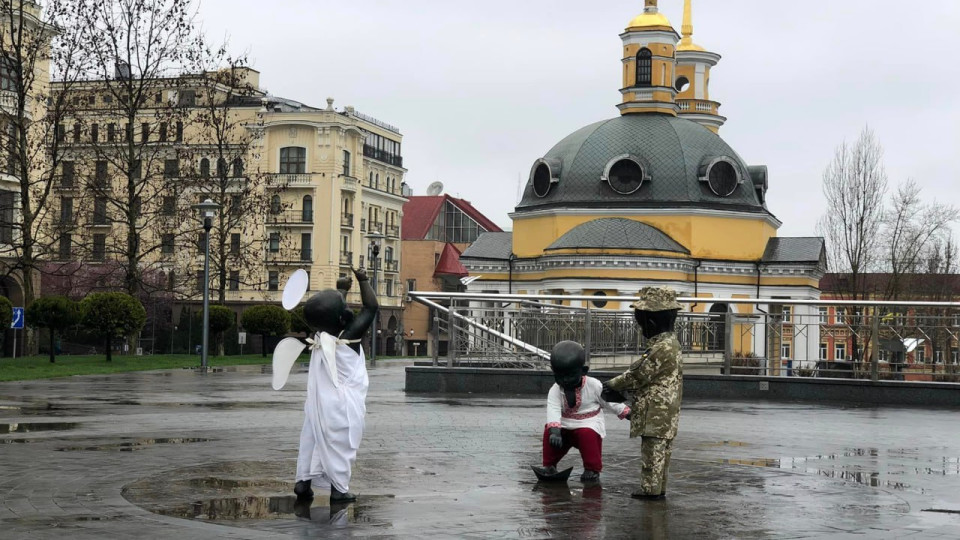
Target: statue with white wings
x=337 y=383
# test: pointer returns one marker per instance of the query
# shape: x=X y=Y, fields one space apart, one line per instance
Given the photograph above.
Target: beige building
x=327 y=178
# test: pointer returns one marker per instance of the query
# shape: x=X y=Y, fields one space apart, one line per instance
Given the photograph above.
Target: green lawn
x=39 y=367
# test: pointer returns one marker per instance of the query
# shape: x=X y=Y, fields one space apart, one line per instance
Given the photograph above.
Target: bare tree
x=34 y=43
x=910 y=231
x=855 y=186
x=141 y=51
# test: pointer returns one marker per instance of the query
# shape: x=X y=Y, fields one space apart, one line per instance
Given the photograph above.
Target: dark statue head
x=568 y=362
x=656 y=311
x=327 y=312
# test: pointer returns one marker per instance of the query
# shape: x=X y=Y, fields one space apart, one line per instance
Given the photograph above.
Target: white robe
x=335 y=411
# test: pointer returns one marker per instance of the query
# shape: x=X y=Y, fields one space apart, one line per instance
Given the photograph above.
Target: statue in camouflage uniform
x=655 y=381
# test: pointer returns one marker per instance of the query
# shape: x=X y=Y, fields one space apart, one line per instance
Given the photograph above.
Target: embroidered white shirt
x=587 y=412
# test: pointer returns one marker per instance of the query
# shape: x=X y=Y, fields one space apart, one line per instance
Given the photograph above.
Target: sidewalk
x=186 y=455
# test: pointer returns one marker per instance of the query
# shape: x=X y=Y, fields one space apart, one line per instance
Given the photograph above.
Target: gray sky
x=482 y=89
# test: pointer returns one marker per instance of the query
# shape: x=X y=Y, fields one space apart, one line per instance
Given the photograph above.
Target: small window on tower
x=644 y=67
x=683 y=84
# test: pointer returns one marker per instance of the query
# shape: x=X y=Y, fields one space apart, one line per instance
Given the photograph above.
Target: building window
x=234 y=281
x=166 y=244
x=137 y=171
x=275 y=206
x=840 y=315
x=600 y=304
x=111 y=133
x=274 y=242
x=67 y=174
x=100 y=211
x=145 y=132
x=66 y=242
x=293 y=160
x=823 y=351
x=920 y=357
x=8 y=201
x=169 y=205
x=162 y=132
x=787 y=314
x=171 y=168
x=346 y=163
x=824 y=318
x=840 y=352
x=307 y=209
x=101 y=175
x=411 y=285
x=273 y=280
x=644 y=67
x=221 y=168
x=235 y=243
x=306 y=251
x=785 y=351
x=95 y=133
x=389 y=287
x=76 y=133
x=200 y=281
x=938 y=357
x=954 y=356
x=204 y=168
x=238 y=168
x=99 y=247
x=179 y=132
x=66 y=210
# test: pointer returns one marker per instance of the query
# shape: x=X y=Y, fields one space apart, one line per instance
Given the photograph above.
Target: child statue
x=574 y=415
x=655 y=381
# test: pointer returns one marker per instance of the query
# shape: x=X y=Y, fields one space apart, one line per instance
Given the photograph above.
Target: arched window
x=387 y=254
x=221 y=168
x=307 y=209
x=644 y=67
x=238 y=168
x=205 y=168
x=275 y=204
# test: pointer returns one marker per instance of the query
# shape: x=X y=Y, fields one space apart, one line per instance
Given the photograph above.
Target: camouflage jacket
x=656 y=382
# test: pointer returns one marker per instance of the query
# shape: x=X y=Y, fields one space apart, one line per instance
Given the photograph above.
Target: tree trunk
x=108 y=342
x=53 y=358
x=220 y=347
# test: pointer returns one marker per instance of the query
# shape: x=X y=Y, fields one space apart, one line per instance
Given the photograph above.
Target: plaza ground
x=182 y=454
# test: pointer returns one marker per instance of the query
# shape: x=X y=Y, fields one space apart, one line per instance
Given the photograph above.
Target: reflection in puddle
x=18 y=441
x=269 y=508
x=31 y=427
x=132 y=446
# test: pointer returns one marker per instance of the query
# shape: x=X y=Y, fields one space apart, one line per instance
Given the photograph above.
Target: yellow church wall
x=707 y=237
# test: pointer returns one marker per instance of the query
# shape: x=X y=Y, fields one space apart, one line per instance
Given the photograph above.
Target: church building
x=652 y=197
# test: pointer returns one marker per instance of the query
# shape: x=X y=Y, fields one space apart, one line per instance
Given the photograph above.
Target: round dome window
x=626 y=176
x=723 y=179
x=542 y=181
x=682 y=84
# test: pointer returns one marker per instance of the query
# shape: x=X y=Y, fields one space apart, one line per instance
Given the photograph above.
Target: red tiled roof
x=449 y=263
x=419 y=214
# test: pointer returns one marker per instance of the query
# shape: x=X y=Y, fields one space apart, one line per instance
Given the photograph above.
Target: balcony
x=346 y=258
x=66 y=185
x=393 y=231
x=349 y=183
x=99 y=220
x=290 y=181
x=9 y=104
x=291 y=217
x=380 y=155
x=391 y=266
x=346 y=220
x=375 y=226
x=697 y=106
x=289 y=256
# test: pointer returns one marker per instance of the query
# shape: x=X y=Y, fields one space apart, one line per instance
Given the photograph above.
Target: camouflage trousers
x=655 y=463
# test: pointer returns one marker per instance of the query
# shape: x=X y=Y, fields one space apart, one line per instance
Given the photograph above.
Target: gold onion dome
x=649 y=19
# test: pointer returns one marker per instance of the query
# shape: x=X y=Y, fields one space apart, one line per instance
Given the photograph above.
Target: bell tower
x=649 y=63
x=693 y=78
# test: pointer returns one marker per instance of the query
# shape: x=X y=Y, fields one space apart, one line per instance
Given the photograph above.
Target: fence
x=906 y=341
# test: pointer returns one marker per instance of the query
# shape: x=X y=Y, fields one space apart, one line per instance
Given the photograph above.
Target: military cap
x=656 y=299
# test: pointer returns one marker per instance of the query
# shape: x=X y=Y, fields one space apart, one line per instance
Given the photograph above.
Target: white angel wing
x=295 y=288
x=284 y=356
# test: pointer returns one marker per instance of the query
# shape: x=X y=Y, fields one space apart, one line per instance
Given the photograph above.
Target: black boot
x=341 y=497
x=648 y=496
x=302 y=490
x=590 y=476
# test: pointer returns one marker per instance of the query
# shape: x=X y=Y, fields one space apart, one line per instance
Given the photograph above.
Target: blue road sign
x=17 y=323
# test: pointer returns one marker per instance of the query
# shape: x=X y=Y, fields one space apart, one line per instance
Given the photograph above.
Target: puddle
x=285 y=507
x=18 y=441
x=132 y=446
x=31 y=427
x=479 y=404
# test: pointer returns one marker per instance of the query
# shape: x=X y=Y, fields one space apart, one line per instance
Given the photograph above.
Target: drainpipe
x=510 y=260
x=696 y=283
x=765 y=336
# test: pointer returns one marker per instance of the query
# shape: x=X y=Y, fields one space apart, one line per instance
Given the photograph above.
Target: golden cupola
x=693 y=77
x=649 y=64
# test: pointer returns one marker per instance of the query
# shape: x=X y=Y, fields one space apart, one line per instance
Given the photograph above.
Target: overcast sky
x=481 y=89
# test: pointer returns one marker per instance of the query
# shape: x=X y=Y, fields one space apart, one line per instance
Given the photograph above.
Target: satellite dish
x=295 y=288
x=435 y=188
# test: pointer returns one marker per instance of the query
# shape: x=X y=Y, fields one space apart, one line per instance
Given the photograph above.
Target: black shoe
x=648 y=496
x=302 y=490
x=590 y=476
x=341 y=497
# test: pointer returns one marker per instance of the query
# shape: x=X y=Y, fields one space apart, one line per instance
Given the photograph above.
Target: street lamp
x=510 y=260
x=375 y=238
x=208 y=210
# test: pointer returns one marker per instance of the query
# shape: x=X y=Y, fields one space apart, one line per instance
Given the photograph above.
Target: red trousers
x=586 y=440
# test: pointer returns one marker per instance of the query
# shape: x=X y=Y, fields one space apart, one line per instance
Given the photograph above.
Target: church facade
x=652 y=197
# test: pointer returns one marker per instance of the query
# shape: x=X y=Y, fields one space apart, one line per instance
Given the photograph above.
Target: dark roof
x=673 y=150
x=795 y=250
x=490 y=245
x=617 y=233
x=420 y=213
x=449 y=263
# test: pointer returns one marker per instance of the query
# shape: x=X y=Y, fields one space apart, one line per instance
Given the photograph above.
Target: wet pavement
x=185 y=455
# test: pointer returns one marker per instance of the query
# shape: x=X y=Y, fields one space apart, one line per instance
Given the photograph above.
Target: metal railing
x=290 y=217
x=346 y=220
x=897 y=341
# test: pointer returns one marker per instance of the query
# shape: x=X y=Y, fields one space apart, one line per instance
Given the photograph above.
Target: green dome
x=644 y=161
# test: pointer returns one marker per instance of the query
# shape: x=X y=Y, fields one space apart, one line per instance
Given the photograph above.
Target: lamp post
x=375 y=238
x=208 y=210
